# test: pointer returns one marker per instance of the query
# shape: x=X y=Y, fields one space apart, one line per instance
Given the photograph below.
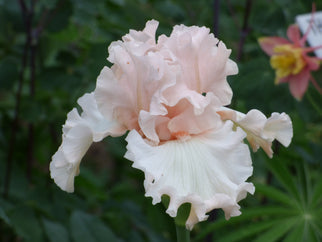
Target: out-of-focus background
x=51 y=53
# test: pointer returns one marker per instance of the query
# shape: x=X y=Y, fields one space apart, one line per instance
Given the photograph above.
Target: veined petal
x=261 y=131
x=209 y=171
x=268 y=43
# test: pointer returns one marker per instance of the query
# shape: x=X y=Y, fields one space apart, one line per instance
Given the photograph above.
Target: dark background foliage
x=51 y=53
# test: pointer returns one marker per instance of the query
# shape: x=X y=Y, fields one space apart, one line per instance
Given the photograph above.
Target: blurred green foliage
x=69 y=39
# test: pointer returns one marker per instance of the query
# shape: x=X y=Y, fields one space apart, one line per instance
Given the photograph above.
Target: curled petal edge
x=157 y=162
x=79 y=132
x=261 y=132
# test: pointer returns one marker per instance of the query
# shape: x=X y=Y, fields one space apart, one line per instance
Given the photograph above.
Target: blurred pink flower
x=291 y=61
x=170 y=95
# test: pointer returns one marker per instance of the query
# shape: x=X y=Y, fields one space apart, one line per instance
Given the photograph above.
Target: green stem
x=183 y=235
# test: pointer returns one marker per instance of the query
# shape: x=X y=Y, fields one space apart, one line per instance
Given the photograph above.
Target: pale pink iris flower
x=170 y=96
x=291 y=60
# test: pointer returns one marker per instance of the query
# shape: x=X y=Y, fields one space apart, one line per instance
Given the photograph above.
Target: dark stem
x=232 y=13
x=216 y=17
x=245 y=29
x=30 y=152
x=32 y=87
x=34 y=35
x=14 y=126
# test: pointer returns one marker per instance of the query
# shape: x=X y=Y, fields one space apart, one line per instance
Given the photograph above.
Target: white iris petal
x=261 y=132
x=209 y=171
x=79 y=132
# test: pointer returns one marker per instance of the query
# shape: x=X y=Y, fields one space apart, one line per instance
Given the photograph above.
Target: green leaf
x=8 y=72
x=247 y=231
x=61 y=17
x=26 y=224
x=275 y=194
x=249 y=214
x=277 y=231
x=55 y=231
x=3 y=216
x=284 y=176
x=296 y=234
x=85 y=227
x=317 y=194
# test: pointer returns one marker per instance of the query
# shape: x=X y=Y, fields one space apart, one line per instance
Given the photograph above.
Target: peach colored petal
x=214 y=67
x=185 y=116
x=268 y=43
x=204 y=61
x=140 y=81
x=154 y=127
x=108 y=91
x=195 y=123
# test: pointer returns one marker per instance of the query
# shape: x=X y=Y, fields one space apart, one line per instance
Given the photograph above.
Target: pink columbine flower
x=170 y=95
x=291 y=61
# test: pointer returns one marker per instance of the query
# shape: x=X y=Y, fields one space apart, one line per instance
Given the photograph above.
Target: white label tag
x=314 y=37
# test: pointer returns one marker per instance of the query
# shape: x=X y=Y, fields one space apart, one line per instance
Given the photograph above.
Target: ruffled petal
x=108 y=91
x=214 y=67
x=279 y=127
x=186 y=117
x=134 y=83
x=79 y=132
x=203 y=59
x=261 y=131
x=268 y=43
x=193 y=121
x=209 y=171
x=100 y=126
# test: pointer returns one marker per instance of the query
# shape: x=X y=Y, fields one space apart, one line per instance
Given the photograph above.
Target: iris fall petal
x=209 y=171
